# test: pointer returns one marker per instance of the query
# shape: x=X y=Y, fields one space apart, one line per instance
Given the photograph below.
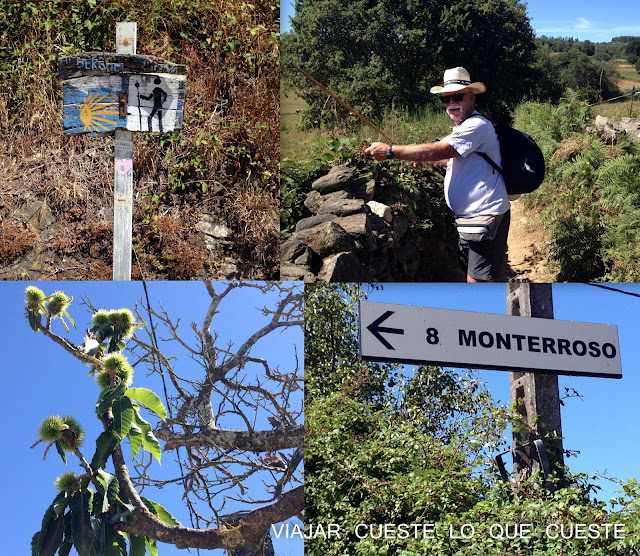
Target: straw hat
x=456 y=79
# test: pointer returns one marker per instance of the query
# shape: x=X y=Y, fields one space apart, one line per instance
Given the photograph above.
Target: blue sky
x=41 y=379
x=581 y=19
x=602 y=425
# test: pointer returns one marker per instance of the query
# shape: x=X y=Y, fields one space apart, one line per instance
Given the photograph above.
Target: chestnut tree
x=234 y=425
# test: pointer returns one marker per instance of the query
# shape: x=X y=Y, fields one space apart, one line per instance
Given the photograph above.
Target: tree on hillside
x=384 y=53
x=387 y=450
x=234 y=425
x=548 y=86
x=587 y=47
x=592 y=79
x=632 y=50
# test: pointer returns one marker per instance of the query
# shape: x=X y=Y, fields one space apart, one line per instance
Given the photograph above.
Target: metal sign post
x=122 y=93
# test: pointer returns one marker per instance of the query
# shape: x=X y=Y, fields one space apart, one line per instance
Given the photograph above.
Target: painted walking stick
x=139 y=107
x=342 y=102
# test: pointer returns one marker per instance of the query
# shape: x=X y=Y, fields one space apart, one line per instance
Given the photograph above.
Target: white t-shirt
x=472 y=187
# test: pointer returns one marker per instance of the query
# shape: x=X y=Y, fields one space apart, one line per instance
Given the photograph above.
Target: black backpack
x=522 y=160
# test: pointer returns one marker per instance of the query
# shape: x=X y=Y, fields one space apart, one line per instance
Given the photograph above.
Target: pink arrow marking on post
x=123 y=165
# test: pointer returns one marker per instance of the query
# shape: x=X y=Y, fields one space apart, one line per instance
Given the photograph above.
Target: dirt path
x=526 y=242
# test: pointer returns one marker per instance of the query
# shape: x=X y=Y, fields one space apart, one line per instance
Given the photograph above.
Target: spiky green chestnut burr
x=115 y=366
x=58 y=303
x=73 y=435
x=35 y=306
x=103 y=378
x=34 y=298
x=51 y=429
x=69 y=482
x=65 y=430
x=122 y=321
x=100 y=318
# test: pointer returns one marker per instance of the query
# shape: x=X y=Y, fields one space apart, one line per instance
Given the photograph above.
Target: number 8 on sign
x=432 y=336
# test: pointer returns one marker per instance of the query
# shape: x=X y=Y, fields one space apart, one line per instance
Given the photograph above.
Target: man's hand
x=378 y=151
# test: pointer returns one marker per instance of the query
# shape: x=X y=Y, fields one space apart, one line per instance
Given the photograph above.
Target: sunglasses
x=456 y=98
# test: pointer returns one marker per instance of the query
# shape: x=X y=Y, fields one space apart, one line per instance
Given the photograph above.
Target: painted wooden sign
x=105 y=91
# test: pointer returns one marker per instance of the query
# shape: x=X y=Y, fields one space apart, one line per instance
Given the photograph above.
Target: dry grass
x=630 y=77
x=294 y=141
x=627 y=107
x=230 y=139
x=166 y=245
x=255 y=212
x=617 y=110
x=18 y=238
x=570 y=149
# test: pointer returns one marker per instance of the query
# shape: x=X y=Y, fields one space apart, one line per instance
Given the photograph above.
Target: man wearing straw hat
x=474 y=191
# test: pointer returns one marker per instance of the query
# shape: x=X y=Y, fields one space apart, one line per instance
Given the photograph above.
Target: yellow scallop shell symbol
x=92 y=113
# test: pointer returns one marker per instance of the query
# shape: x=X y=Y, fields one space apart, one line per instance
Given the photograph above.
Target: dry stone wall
x=609 y=131
x=351 y=236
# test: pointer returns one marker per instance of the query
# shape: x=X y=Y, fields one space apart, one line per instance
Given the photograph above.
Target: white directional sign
x=421 y=335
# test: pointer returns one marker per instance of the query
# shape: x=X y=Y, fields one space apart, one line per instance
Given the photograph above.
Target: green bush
x=590 y=201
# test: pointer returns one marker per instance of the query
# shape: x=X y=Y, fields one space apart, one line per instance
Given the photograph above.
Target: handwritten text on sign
x=410 y=334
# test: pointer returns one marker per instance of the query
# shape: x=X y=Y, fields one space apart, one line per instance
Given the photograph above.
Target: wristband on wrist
x=390 y=151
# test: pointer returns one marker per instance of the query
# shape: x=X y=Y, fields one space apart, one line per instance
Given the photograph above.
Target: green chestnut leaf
x=83 y=534
x=51 y=537
x=122 y=417
x=108 y=396
x=148 y=399
x=136 y=545
x=158 y=510
x=149 y=441
x=105 y=443
x=135 y=439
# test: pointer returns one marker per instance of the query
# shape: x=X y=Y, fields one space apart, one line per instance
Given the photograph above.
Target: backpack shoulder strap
x=493 y=164
x=486 y=156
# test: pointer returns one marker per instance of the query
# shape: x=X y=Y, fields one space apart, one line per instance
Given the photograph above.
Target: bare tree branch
x=249 y=529
x=283 y=438
x=69 y=347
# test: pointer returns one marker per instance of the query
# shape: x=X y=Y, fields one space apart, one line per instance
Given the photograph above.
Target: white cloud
x=581 y=28
x=583 y=24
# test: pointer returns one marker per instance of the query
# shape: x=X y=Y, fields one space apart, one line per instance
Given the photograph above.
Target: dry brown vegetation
x=222 y=165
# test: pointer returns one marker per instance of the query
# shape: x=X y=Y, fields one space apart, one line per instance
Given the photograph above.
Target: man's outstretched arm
x=425 y=152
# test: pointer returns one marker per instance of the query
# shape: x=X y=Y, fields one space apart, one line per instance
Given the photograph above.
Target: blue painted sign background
x=93 y=110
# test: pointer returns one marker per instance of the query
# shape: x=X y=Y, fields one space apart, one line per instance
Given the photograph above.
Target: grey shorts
x=486 y=260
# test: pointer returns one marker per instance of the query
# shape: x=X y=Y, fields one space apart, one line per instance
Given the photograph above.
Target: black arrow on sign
x=376 y=329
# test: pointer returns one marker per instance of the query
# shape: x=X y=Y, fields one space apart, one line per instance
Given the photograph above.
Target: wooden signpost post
x=122 y=93
x=534 y=394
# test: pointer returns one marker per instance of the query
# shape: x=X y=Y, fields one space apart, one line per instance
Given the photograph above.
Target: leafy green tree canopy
x=632 y=50
x=379 y=53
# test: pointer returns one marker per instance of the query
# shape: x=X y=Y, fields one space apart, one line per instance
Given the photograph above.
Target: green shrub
x=590 y=200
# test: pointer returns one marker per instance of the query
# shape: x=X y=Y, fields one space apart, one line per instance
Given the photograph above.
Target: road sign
x=103 y=92
x=422 y=335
